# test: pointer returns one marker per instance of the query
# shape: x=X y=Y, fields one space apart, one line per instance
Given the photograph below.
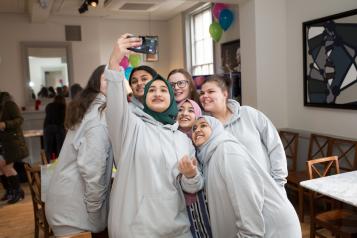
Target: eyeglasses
x=180 y=84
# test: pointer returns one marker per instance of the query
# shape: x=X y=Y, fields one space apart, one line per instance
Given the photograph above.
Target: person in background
x=138 y=78
x=77 y=198
x=250 y=126
x=65 y=91
x=13 y=148
x=183 y=85
x=147 y=198
x=243 y=199
x=53 y=128
x=43 y=93
x=51 y=92
x=196 y=204
x=75 y=90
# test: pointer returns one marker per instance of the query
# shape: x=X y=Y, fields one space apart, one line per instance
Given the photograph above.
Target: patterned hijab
x=168 y=116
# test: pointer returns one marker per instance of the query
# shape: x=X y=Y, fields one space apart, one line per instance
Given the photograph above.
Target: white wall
x=176 y=43
x=330 y=121
x=263 y=40
x=98 y=37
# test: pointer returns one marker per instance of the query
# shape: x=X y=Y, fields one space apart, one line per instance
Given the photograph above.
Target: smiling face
x=180 y=86
x=158 y=96
x=138 y=82
x=186 y=115
x=213 y=98
x=201 y=132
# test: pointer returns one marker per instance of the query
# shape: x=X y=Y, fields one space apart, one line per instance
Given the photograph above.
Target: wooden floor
x=16 y=221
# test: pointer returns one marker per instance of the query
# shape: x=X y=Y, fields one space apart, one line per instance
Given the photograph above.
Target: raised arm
x=271 y=140
x=121 y=122
x=245 y=189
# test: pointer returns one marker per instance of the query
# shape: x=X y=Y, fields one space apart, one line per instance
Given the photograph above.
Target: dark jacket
x=13 y=143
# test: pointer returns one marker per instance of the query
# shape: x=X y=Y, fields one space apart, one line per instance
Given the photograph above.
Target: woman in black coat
x=12 y=147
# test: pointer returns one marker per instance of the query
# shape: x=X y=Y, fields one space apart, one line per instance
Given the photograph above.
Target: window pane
x=202 y=46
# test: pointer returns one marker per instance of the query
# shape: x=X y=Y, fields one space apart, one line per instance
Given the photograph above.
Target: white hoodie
x=146 y=199
x=258 y=134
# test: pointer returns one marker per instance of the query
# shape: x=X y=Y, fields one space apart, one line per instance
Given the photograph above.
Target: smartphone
x=149 y=45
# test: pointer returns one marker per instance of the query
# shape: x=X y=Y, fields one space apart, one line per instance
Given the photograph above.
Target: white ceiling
x=109 y=9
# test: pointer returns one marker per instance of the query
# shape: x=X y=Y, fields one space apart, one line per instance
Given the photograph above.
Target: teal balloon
x=226 y=18
x=135 y=60
x=128 y=72
x=215 y=30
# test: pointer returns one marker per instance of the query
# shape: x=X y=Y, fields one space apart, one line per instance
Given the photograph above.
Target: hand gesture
x=188 y=167
x=121 y=49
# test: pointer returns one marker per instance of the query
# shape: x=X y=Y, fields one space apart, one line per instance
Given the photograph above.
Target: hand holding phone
x=149 y=45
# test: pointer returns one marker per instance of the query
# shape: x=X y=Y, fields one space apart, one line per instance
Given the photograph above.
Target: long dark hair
x=4 y=98
x=193 y=92
x=79 y=106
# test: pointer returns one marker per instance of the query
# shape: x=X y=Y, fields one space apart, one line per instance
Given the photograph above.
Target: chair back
x=44 y=160
x=323 y=166
x=319 y=146
x=33 y=174
x=80 y=235
x=346 y=150
x=290 y=142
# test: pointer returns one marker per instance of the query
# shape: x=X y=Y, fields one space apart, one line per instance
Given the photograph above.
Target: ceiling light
x=83 y=8
x=93 y=3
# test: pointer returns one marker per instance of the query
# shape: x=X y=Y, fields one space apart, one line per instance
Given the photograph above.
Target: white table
x=342 y=187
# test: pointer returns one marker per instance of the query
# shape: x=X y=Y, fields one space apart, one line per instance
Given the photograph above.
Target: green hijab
x=168 y=116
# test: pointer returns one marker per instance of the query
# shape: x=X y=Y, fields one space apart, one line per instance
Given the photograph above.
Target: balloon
x=128 y=72
x=215 y=31
x=226 y=19
x=135 y=60
x=217 y=8
x=124 y=62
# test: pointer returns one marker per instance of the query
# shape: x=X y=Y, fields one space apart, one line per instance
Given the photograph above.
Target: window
x=201 y=42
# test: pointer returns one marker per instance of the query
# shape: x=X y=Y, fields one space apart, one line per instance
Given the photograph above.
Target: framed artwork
x=330 y=62
x=231 y=65
x=230 y=55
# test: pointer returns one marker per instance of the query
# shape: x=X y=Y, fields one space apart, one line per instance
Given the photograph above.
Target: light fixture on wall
x=84 y=7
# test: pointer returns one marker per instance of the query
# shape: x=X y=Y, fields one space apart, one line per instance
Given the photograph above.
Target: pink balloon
x=124 y=62
x=217 y=8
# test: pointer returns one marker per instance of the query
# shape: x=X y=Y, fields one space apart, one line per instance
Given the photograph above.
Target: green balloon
x=134 y=60
x=215 y=31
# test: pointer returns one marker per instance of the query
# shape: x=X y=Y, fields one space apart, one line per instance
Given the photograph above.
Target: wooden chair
x=342 y=223
x=290 y=142
x=80 y=235
x=346 y=150
x=44 y=160
x=34 y=179
x=319 y=146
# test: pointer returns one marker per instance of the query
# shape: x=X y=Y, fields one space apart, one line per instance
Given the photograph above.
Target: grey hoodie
x=258 y=134
x=243 y=199
x=78 y=193
x=146 y=199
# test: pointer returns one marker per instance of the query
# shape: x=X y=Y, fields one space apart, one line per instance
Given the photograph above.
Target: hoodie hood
x=218 y=136
x=235 y=108
x=136 y=102
x=92 y=118
x=149 y=119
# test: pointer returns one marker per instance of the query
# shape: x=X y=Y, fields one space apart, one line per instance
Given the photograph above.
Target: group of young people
x=181 y=172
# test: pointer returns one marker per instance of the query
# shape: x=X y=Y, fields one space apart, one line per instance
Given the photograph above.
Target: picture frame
x=230 y=56
x=330 y=61
x=231 y=65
